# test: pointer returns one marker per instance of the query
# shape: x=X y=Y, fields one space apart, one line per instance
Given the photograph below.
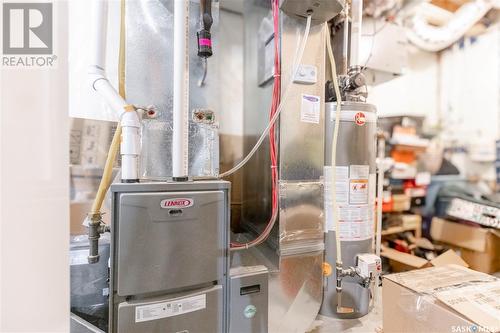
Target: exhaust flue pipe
x=181 y=92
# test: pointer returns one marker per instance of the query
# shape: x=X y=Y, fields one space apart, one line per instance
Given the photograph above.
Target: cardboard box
x=400 y=203
x=402 y=262
x=441 y=299
x=479 y=247
x=411 y=221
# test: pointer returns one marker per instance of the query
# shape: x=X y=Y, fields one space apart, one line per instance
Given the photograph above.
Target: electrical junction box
x=306 y=74
x=369 y=265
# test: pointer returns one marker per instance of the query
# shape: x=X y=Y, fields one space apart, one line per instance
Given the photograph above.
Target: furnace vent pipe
x=129 y=118
x=433 y=39
x=181 y=94
x=356 y=22
x=345 y=40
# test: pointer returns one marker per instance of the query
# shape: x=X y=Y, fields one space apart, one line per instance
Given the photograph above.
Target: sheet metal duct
x=149 y=73
x=294 y=250
x=432 y=38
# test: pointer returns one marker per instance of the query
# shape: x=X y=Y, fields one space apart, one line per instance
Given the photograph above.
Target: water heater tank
x=355 y=191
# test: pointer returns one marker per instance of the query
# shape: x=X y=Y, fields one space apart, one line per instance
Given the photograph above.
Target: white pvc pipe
x=357 y=20
x=181 y=95
x=101 y=84
x=99 y=29
x=345 y=39
x=130 y=122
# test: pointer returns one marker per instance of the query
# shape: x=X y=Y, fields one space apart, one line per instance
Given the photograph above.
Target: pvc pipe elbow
x=130 y=119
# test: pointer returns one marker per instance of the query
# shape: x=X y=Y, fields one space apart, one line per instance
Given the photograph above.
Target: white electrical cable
x=380 y=191
x=295 y=68
x=334 y=143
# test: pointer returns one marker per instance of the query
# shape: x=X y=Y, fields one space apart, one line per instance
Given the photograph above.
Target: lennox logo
x=28 y=30
x=177 y=203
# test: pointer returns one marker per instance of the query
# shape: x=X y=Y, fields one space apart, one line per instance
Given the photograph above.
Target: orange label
x=327 y=269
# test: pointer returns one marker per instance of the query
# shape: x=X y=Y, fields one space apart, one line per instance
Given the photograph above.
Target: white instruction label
x=342 y=191
x=359 y=171
x=355 y=190
x=170 y=309
x=310 y=109
x=355 y=222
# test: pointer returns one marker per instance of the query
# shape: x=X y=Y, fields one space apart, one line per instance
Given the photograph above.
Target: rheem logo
x=360 y=119
x=27 y=28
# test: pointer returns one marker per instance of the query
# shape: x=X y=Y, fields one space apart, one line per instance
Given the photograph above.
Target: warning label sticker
x=355 y=195
x=169 y=309
x=358 y=191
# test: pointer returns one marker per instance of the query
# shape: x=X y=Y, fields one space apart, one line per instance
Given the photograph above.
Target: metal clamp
x=148 y=112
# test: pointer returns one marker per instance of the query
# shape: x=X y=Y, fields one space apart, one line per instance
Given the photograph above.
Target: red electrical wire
x=272 y=136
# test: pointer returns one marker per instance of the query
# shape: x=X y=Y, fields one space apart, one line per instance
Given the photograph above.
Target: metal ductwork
x=436 y=38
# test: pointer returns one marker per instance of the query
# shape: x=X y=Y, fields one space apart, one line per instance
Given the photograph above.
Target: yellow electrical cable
x=121 y=56
x=115 y=143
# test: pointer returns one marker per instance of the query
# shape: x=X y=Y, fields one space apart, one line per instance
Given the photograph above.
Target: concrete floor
x=371 y=323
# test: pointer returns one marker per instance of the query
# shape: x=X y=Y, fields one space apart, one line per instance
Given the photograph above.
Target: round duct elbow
x=433 y=38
